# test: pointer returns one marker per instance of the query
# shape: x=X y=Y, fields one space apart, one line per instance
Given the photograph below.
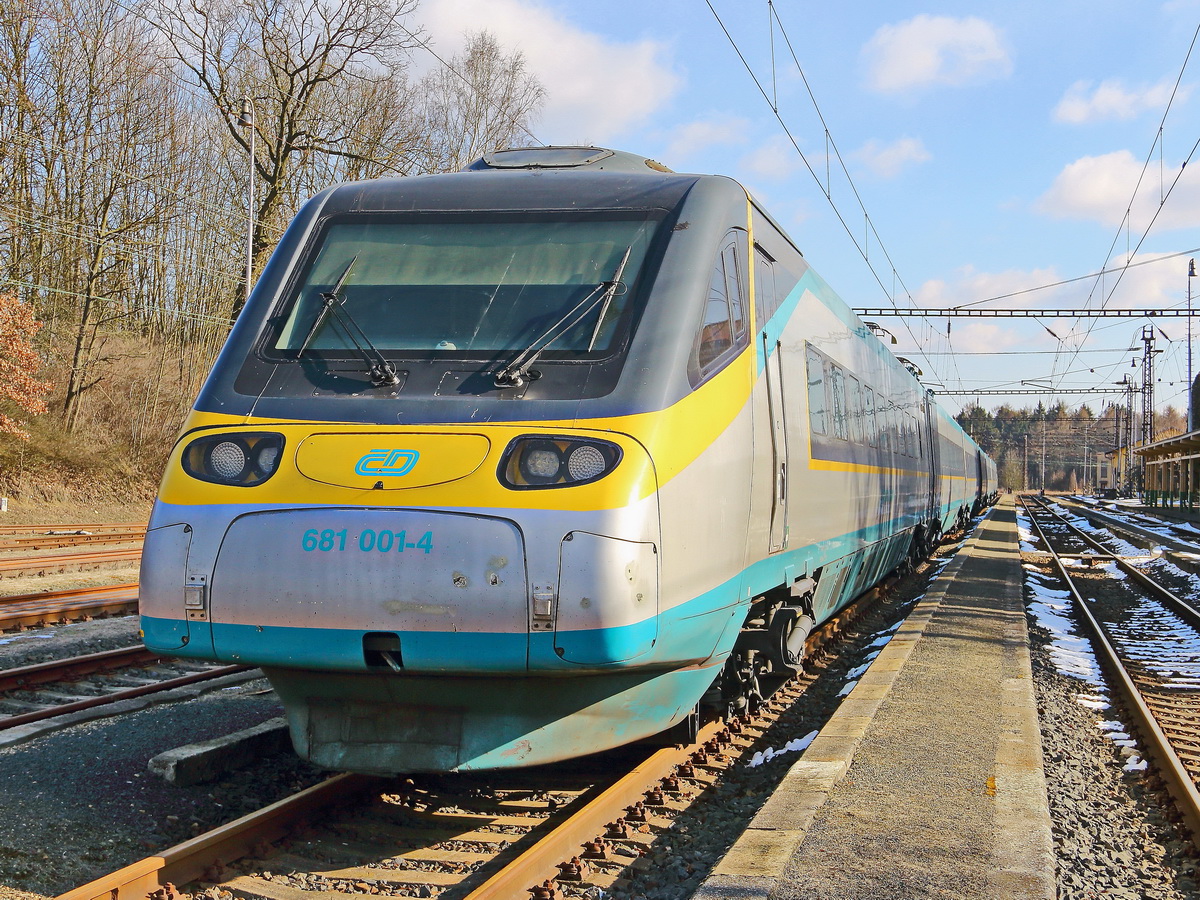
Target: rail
x=543 y=852
x=1170 y=765
x=15 y=567
x=48 y=607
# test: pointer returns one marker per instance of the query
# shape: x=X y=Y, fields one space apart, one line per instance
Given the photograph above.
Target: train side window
x=872 y=427
x=816 y=392
x=723 y=329
x=733 y=288
x=765 y=300
x=855 y=400
x=716 y=334
x=837 y=394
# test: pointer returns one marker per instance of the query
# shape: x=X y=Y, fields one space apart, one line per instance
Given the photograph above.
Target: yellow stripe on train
x=337 y=463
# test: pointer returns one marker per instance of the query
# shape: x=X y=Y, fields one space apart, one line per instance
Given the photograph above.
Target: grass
x=108 y=468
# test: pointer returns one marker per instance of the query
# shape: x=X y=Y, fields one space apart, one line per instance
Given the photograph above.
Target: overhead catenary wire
x=859 y=246
x=1157 y=142
x=1065 y=281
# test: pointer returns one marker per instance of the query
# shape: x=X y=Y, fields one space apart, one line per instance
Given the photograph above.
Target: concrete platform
x=928 y=781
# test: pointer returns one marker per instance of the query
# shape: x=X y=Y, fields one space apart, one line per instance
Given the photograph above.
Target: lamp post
x=246 y=120
x=1191 y=424
x=1043 y=479
x=1087 y=427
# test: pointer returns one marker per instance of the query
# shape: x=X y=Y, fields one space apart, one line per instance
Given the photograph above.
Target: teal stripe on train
x=692 y=632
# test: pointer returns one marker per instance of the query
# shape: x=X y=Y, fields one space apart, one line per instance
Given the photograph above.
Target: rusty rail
x=1170 y=766
x=30 y=610
x=540 y=862
x=47 y=565
x=188 y=861
x=55 y=541
x=8 y=528
x=75 y=667
x=115 y=697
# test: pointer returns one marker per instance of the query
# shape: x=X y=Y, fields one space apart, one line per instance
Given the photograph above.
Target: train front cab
x=414 y=611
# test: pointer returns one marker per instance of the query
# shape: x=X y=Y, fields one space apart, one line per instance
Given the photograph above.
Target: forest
x=126 y=222
x=1053 y=446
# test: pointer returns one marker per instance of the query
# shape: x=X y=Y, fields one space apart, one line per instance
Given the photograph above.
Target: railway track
x=60 y=538
x=9 y=529
x=24 y=566
x=44 y=691
x=551 y=832
x=1148 y=643
x=557 y=831
x=1174 y=537
x=60 y=607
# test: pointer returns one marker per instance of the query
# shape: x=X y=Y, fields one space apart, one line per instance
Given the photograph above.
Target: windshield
x=481 y=288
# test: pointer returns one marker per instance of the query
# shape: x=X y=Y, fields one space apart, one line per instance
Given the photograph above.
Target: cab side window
x=724 y=327
x=764 y=286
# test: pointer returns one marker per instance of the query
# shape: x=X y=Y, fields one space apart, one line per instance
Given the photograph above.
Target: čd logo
x=386 y=462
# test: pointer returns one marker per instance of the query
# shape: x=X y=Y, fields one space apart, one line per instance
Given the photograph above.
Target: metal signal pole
x=246 y=120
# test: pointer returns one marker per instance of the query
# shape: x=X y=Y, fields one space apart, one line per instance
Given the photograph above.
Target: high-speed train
x=523 y=462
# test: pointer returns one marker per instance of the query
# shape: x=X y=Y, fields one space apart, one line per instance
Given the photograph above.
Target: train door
x=980 y=482
x=773 y=361
x=779 y=453
x=929 y=420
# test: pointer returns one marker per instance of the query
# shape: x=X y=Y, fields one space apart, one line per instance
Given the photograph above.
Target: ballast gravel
x=79 y=803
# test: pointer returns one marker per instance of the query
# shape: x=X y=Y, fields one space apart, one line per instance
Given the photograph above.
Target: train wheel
x=934 y=539
x=740 y=691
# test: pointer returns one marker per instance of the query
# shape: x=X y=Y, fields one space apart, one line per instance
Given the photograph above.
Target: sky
x=928 y=154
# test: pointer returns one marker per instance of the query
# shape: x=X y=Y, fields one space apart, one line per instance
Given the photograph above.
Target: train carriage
x=519 y=463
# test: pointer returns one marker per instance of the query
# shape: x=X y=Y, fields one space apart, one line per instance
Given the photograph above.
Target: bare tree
x=123 y=167
x=311 y=69
x=481 y=100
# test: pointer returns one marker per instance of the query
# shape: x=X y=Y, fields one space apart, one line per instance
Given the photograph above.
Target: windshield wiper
x=380 y=370
x=518 y=371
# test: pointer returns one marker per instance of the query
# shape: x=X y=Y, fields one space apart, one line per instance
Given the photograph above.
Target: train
x=515 y=464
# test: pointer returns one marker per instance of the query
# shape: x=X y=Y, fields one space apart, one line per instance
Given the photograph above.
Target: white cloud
x=597 y=89
x=1098 y=188
x=1111 y=100
x=969 y=286
x=935 y=50
x=696 y=138
x=773 y=159
x=888 y=160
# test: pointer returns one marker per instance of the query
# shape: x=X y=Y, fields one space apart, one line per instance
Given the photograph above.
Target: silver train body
x=512 y=465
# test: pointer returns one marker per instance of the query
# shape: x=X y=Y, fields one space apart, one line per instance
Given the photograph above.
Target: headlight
x=241 y=459
x=539 y=462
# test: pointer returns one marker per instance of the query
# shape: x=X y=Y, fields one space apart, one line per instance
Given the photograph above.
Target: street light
x=1191 y=424
x=246 y=120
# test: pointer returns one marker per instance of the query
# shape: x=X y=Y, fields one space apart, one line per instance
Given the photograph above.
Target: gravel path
x=79 y=803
